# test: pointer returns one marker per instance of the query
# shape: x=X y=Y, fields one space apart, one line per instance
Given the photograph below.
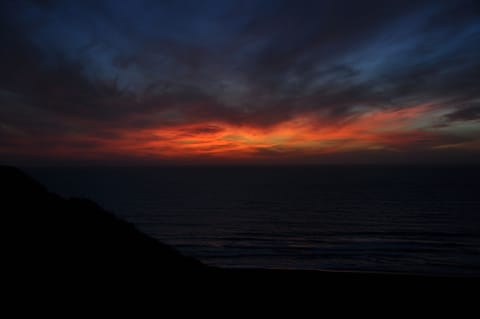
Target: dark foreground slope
x=56 y=240
x=57 y=237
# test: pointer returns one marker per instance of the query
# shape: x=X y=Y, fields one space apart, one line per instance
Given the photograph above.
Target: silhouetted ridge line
x=53 y=234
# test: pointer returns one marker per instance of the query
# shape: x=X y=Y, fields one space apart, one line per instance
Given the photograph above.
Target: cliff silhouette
x=52 y=237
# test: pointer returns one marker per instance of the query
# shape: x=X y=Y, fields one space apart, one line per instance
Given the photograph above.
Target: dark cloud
x=468 y=113
x=209 y=129
x=94 y=68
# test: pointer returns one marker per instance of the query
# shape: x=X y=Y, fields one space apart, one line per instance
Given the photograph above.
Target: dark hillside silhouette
x=54 y=237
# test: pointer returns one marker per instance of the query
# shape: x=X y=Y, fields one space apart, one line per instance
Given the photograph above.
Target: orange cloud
x=304 y=135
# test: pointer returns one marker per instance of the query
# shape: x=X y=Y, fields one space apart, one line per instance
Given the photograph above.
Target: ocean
x=402 y=219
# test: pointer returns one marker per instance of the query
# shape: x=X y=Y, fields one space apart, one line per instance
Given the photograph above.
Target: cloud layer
x=240 y=81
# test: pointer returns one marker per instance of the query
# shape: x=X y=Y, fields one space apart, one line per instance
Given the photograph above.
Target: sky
x=260 y=82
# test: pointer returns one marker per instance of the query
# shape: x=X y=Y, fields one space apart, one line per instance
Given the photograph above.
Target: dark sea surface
x=408 y=219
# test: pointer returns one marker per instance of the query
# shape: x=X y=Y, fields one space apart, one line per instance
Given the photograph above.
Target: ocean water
x=408 y=219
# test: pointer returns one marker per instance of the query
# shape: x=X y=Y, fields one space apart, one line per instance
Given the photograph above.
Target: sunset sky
x=240 y=81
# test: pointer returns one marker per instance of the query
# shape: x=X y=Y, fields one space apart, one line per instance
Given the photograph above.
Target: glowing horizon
x=305 y=135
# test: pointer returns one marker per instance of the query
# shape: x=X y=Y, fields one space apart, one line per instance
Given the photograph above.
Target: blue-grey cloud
x=83 y=66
